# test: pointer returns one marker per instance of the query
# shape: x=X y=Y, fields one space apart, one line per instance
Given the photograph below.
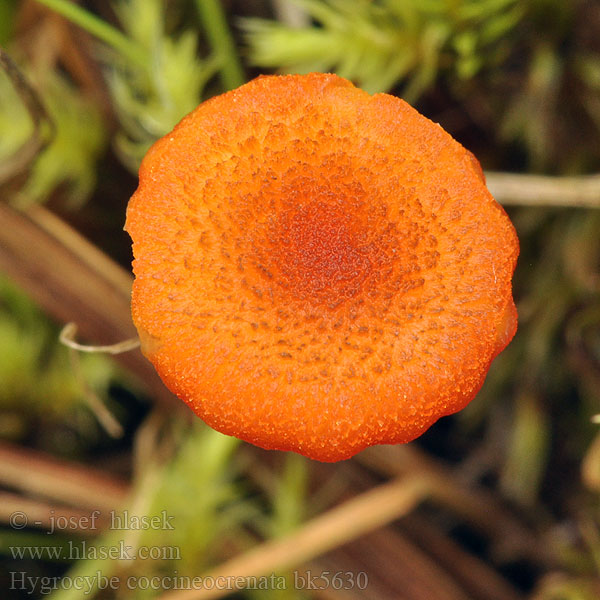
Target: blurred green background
x=90 y=85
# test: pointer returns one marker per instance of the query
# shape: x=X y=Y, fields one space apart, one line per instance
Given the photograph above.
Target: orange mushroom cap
x=318 y=269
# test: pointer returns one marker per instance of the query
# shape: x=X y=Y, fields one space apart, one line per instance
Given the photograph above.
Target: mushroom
x=318 y=269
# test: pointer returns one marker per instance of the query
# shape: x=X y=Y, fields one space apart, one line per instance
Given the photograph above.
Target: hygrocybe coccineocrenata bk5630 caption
x=318 y=269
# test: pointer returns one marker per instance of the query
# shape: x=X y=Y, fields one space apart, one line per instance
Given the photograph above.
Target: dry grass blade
x=19 y=512
x=357 y=516
x=478 y=578
x=477 y=506
x=392 y=563
x=36 y=473
x=72 y=280
x=538 y=190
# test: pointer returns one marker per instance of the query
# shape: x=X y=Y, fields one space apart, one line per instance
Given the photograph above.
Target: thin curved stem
x=67 y=337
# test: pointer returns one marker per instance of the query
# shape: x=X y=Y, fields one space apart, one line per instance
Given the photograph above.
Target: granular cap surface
x=318 y=269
